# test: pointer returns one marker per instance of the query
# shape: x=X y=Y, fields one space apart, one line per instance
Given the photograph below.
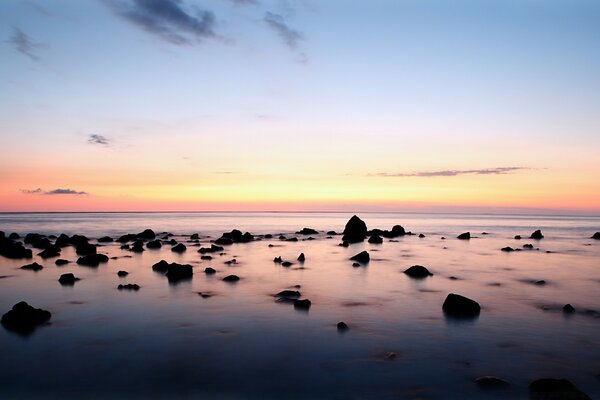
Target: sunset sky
x=136 y=105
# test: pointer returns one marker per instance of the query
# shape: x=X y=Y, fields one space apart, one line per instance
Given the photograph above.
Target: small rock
x=206 y=257
x=308 y=231
x=421 y=235
x=508 y=249
x=459 y=306
x=92 y=260
x=569 y=309
x=418 y=271
x=287 y=264
x=537 y=235
x=194 y=236
x=277 y=260
x=518 y=237
x=154 y=244
x=179 y=248
x=231 y=278
x=528 y=246
x=67 y=279
x=209 y=271
x=147 y=234
x=301 y=257
x=342 y=326
x=122 y=273
x=49 y=253
x=302 y=304
x=355 y=264
x=541 y=282
x=61 y=261
x=105 y=239
x=464 y=236
x=32 y=267
x=129 y=286
x=362 y=257
x=596 y=236
x=491 y=382
x=332 y=233
x=288 y=294
x=376 y=239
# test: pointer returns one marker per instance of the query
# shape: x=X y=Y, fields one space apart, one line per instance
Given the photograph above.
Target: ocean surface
x=167 y=341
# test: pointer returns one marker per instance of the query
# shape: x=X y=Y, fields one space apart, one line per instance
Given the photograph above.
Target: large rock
x=459 y=306
x=177 y=272
x=355 y=230
x=555 y=389
x=537 y=235
x=235 y=236
x=418 y=272
x=23 y=318
x=161 y=266
x=62 y=241
x=92 y=260
x=49 y=252
x=362 y=257
x=14 y=250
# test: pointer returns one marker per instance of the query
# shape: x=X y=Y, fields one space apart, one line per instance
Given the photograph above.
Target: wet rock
x=106 y=239
x=518 y=237
x=137 y=247
x=464 y=236
x=375 y=239
x=288 y=294
x=537 y=235
x=230 y=262
x=421 y=235
x=301 y=258
x=397 y=230
x=342 y=326
x=541 y=282
x=160 y=266
x=507 y=249
x=77 y=240
x=32 y=267
x=362 y=257
x=130 y=237
x=331 y=232
x=67 y=279
x=84 y=249
x=122 y=274
x=61 y=261
x=286 y=264
x=307 y=231
x=355 y=265
x=491 y=383
x=211 y=249
x=194 y=236
x=231 y=278
x=224 y=241
x=293 y=239
x=129 y=286
x=32 y=238
x=12 y=236
x=49 y=252
x=555 y=389
x=179 y=248
x=206 y=257
x=355 y=230
x=418 y=271
x=62 y=241
x=268 y=236
x=459 y=306
x=235 y=236
x=568 y=309
x=209 y=271
x=147 y=234
x=23 y=318
x=154 y=244
x=92 y=260
x=596 y=236
x=528 y=246
x=177 y=272
x=302 y=304
x=14 y=250
x=125 y=247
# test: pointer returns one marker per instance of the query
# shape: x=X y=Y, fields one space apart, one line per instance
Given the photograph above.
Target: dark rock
x=231 y=278
x=147 y=234
x=421 y=235
x=456 y=305
x=14 y=250
x=507 y=249
x=332 y=233
x=206 y=257
x=67 y=279
x=302 y=304
x=540 y=282
x=268 y=236
x=537 y=235
x=342 y=326
x=61 y=261
x=177 y=272
x=130 y=237
x=281 y=237
x=397 y=230
x=161 y=266
x=289 y=294
x=293 y=239
x=211 y=249
x=375 y=239
x=31 y=238
x=518 y=237
x=491 y=383
x=77 y=240
x=286 y=264
x=62 y=241
x=84 y=249
x=418 y=271
x=179 y=248
x=567 y=308
x=362 y=257
x=42 y=243
x=12 y=236
x=137 y=246
x=49 y=253
x=301 y=257
x=129 y=286
x=235 y=236
x=344 y=244
x=355 y=230
x=555 y=389
x=528 y=246
x=464 y=236
x=122 y=274
x=194 y=236
x=125 y=247
x=307 y=231
x=224 y=241
x=154 y=244
x=92 y=260
x=355 y=264
x=23 y=318
x=277 y=260
x=106 y=239
x=32 y=267
x=594 y=236
x=232 y=261
x=209 y=271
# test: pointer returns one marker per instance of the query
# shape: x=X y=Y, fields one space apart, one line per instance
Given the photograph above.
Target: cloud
x=39 y=9
x=166 y=19
x=277 y=23
x=23 y=44
x=451 y=172
x=98 y=139
x=244 y=2
x=52 y=192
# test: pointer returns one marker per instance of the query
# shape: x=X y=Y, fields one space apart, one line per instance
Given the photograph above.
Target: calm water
x=166 y=341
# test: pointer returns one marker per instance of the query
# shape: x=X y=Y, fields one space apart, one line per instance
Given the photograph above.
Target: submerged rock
x=528 y=246
x=288 y=294
x=49 y=252
x=161 y=266
x=307 y=231
x=14 y=250
x=154 y=244
x=137 y=247
x=418 y=271
x=342 y=326
x=61 y=261
x=375 y=239
x=287 y=264
x=105 y=239
x=459 y=306
x=23 y=318
x=331 y=233
x=122 y=274
x=491 y=382
x=231 y=278
x=32 y=267
x=507 y=249
x=211 y=249
x=84 y=249
x=464 y=236
x=129 y=286
x=209 y=271
x=92 y=260
x=518 y=237
x=362 y=257
x=537 y=235
x=568 y=309
x=559 y=389
x=67 y=279
x=179 y=248
x=302 y=304
x=147 y=234
x=355 y=230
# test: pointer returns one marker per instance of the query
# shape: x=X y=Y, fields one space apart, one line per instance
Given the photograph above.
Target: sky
x=300 y=105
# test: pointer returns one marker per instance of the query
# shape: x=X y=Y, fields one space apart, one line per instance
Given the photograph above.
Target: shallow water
x=167 y=341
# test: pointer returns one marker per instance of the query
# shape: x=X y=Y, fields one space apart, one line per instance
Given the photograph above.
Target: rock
x=231 y=278
x=421 y=235
x=362 y=257
x=331 y=232
x=129 y=286
x=537 y=235
x=179 y=248
x=92 y=260
x=125 y=247
x=14 y=250
x=209 y=271
x=355 y=230
x=288 y=294
x=224 y=241
x=491 y=382
x=528 y=246
x=342 y=326
x=507 y=249
x=12 y=236
x=177 y=272
x=518 y=237
x=301 y=257
x=106 y=239
x=567 y=308
x=194 y=236
x=355 y=264
x=137 y=246
x=307 y=231
x=122 y=274
x=62 y=241
x=147 y=234
x=84 y=249
x=206 y=257
x=541 y=282
x=61 y=261
x=211 y=249
x=418 y=271
x=49 y=252
x=294 y=239
x=344 y=244
x=464 y=236
x=268 y=236
x=596 y=236
x=375 y=239
x=286 y=264
x=230 y=262
x=302 y=304
x=154 y=244
x=161 y=266
x=559 y=389
x=32 y=238
x=32 y=267
x=459 y=306
x=397 y=230
x=235 y=236
x=67 y=279
x=42 y=243
x=23 y=318
x=130 y=237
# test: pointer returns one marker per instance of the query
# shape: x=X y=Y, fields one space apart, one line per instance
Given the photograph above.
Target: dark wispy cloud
x=98 y=139
x=52 y=192
x=24 y=44
x=277 y=23
x=451 y=172
x=167 y=19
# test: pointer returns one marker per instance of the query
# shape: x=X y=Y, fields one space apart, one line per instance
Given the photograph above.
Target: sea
x=205 y=338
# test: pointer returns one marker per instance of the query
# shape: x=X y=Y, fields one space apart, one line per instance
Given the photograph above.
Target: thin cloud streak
x=451 y=172
x=53 y=192
x=98 y=139
x=276 y=22
x=23 y=44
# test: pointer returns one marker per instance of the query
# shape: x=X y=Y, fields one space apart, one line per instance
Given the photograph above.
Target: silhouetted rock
x=161 y=266
x=375 y=239
x=331 y=232
x=288 y=294
x=49 y=252
x=235 y=236
x=106 y=239
x=14 y=250
x=129 y=286
x=541 y=282
x=77 y=240
x=177 y=272
x=194 y=236
x=293 y=239
x=179 y=248
x=421 y=235
x=224 y=241
x=355 y=264
x=355 y=230
x=84 y=249
x=301 y=257
x=397 y=230
x=277 y=260
x=555 y=389
x=268 y=236
x=537 y=235
x=154 y=244
x=507 y=249
x=567 y=308
x=211 y=249
x=418 y=271
x=32 y=267
x=23 y=318
x=307 y=231
x=302 y=304
x=206 y=257
x=362 y=257
x=528 y=246
x=286 y=264
x=209 y=271
x=464 y=236
x=31 y=238
x=122 y=274
x=491 y=383
x=147 y=234
x=137 y=246
x=231 y=278
x=61 y=261
x=67 y=279
x=12 y=236
x=62 y=241
x=130 y=237
x=342 y=326
x=596 y=236
x=459 y=306
x=92 y=260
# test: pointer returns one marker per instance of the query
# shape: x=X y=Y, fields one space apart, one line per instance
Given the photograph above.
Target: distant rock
x=301 y=258
x=491 y=383
x=14 y=250
x=49 y=252
x=32 y=267
x=147 y=234
x=130 y=237
x=137 y=246
x=287 y=264
x=375 y=239
x=418 y=271
x=206 y=257
x=464 y=236
x=154 y=244
x=224 y=241
x=331 y=232
x=161 y=266
x=209 y=271
x=355 y=230
x=518 y=237
x=421 y=235
x=596 y=236
x=362 y=257
x=235 y=236
x=293 y=239
x=568 y=309
x=211 y=249
x=541 y=282
x=23 y=318
x=559 y=389
x=459 y=306
x=122 y=274
x=194 y=236
x=355 y=265
x=507 y=249
x=179 y=248
x=344 y=244
x=129 y=286
x=84 y=249
x=61 y=261
x=62 y=241
x=342 y=326
x=92 y=260
x=12 y=236
x=528 y=246
x=231 y=278
x=105 y=239
x=307 y=231
x=277 y=260
x=288 y=294
x=537 y=235
x=302 y=304
x=67 y=279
